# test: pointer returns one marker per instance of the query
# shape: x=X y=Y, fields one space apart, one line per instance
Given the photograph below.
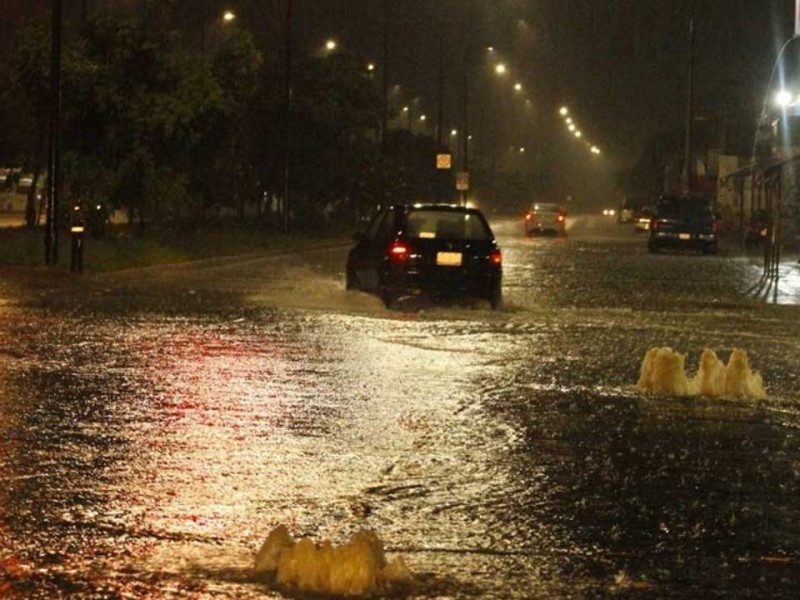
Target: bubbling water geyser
x=356 y=568
x=663 y=372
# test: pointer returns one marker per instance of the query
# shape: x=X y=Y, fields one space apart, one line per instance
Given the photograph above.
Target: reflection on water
x=162 y=450
x=148 y=454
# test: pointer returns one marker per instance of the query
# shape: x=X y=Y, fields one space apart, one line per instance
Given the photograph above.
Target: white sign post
x=797 y=18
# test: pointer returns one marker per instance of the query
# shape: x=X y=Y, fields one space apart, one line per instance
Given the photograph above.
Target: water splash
x=663 y=372
x=356 y=568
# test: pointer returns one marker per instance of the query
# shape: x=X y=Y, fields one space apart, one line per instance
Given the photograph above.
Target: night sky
x=621 y=65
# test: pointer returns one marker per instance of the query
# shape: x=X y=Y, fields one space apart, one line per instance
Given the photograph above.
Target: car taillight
x=398 y=251
x=530 y=217
x=496 y=257
x=653 y=224
x=561 y=218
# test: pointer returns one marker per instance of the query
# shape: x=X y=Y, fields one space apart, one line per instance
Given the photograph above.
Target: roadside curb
x=57 y=276
x=222 y=261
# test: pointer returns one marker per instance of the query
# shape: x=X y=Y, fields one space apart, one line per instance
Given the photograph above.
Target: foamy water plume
x=356 y=568
x=663 y=372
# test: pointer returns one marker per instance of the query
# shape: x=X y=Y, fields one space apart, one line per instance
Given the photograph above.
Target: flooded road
x=156 y=425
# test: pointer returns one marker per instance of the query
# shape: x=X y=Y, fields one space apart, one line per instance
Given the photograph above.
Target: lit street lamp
x=227 y=18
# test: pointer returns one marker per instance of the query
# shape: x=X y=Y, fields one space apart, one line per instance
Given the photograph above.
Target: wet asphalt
x=156 y=424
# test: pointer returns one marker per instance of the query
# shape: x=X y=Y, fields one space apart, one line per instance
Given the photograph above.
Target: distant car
x=683 y=222
x=609 y=212
x=642 y=218
x=544 y=218
x=629 y=207
x=625 y=215
x=436 y=250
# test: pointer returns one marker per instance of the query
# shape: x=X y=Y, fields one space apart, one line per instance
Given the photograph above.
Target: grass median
x=121 y=249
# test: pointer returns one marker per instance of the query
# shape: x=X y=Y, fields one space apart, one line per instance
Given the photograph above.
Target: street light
x=330 y=45
x=225 y=19
x=500 y=69
x=783 y=98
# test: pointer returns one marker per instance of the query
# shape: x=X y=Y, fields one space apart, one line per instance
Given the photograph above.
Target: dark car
x=683 y=222
x=439 y=250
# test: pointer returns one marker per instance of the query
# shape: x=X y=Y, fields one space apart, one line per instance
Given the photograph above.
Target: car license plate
x=684 y=236
x=448 y=259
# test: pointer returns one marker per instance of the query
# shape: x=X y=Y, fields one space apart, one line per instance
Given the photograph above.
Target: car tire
x=389 y=299
x=710 y=249
x=350 y=280
x=496 y=298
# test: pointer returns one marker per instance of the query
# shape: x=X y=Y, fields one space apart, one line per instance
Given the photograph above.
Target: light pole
x=54 y=152
x=385 y=99
x=687 y=157
x=465 y=129
x=287 y=108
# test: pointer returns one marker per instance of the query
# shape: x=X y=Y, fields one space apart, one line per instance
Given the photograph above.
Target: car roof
x=438 y=206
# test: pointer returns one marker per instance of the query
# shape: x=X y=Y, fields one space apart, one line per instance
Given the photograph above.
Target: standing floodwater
x=155 y=427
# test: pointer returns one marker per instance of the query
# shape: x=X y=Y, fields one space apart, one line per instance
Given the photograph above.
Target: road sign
x=462 y=181
x=443 y=161
x=797 y=17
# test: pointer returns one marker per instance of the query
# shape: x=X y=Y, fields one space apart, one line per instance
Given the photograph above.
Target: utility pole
x=440 y=99
x=465 y=127
x=687 y=157
x=54 y=142
x=287 y=107
x=385 y=103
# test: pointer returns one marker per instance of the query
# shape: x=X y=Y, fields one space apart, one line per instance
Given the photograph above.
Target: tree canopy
x=168 y=131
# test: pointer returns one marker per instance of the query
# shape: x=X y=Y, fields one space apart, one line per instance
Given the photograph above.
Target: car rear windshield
x=554 y=208
x=683 y=206
x=448 y=225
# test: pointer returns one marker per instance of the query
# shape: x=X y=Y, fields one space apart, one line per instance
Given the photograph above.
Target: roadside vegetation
x=123 y=249
x=177 y=128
